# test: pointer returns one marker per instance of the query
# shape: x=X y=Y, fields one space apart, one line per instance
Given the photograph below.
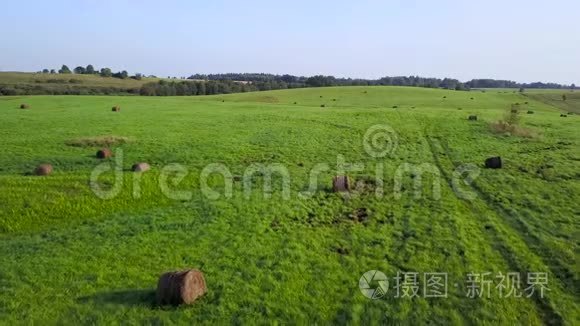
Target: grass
x=71 y=257
x=98 y=141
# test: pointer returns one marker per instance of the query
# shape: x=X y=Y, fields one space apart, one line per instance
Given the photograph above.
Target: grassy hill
x=554 y=98
x=76 y=84
x=69 y=256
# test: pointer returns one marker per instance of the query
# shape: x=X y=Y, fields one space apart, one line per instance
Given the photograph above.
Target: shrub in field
x=116 y=108
x=24 y=106
x=510 y=126
x=472 y=118
x=502 y=127
x=322 y=105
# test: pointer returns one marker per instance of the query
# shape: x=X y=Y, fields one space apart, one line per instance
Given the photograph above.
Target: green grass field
x=70 y=257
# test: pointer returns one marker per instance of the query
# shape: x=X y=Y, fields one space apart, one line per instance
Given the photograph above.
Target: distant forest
x=200 y=84
x=236 y=83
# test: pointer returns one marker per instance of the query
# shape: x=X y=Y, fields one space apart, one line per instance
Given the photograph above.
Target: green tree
x=563 y=97
x=79 y=70
x=45 y=71
x=106 y=72
x=124 y=74
x=90 y=70
x=52 y=71
x=64 y=70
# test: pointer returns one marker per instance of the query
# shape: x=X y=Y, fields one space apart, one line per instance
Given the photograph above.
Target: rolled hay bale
x=104 y=153
x=140 y=167
x=24 y=106
x=43 y=169
x=183 y=287
x=116 y=108
x=340 y=183
x=563 y=116
x=530 y=112
x=472 y=118
x=493 y=163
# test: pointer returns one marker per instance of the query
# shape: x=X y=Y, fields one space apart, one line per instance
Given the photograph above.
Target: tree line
x=415 y=81
x=90 y=70
x=210 y=84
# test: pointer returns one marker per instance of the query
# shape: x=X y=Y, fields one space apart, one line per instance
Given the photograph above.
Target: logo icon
x=373 y=284
x=380 y=141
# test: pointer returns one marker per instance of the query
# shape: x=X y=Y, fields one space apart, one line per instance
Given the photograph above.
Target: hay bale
x=472 y=118
x=184 y=287
x=493 y=163
x=43 y=169
x=104 y=153
x=24 y=106
x=340 y=183
x=140 y=167
x=116 y=108
x=563 y=115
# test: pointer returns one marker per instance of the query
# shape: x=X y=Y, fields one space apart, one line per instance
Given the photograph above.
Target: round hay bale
x=493 y=163
x=24 y=106
x=104 y=153
x=43 y=169
x=116 y=108
x=184 y=287
x=340 y=183
x=140 y=167
x=472 y=118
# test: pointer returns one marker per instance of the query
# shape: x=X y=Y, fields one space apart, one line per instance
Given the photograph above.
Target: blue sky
x=509 y=39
